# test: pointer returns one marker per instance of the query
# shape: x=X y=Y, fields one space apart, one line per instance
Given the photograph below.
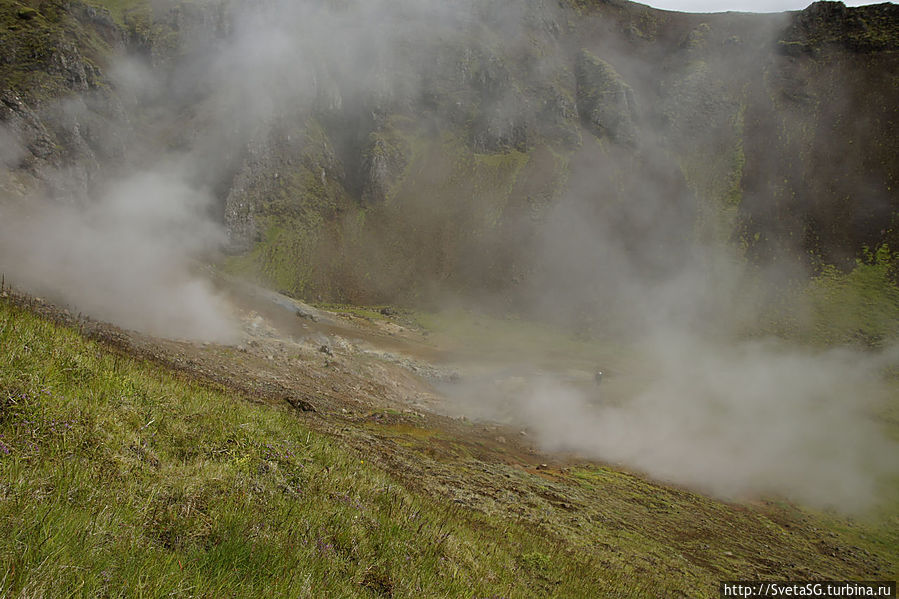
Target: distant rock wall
x=441 y=165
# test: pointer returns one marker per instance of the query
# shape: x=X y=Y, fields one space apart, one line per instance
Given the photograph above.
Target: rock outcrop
x=605 y=101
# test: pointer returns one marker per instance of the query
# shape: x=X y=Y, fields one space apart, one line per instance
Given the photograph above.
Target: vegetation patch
x=860 y=306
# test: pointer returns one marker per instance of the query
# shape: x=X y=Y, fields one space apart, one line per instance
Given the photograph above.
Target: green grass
x=368 y=312
x=860 y=306
x=119 y=8
x=511 y=339
x=119 y=478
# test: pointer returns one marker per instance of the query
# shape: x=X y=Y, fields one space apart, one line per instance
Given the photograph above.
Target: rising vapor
x=125 y=257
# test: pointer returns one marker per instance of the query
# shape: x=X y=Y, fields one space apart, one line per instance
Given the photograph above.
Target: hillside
x=279 y=470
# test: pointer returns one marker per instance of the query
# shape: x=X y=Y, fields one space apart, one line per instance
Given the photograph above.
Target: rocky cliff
x=379 y=152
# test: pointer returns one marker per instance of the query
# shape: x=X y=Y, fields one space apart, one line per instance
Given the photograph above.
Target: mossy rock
x=605 y=101
x=861 y=29
x=27 y=13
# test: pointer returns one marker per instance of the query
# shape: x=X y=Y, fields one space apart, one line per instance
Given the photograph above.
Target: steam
x=117 y=230
x=691 y=392
x=737 y=421
x=11 y=151
x=124 y=257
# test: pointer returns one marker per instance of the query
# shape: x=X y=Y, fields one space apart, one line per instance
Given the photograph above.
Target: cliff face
x=375 y=152
x=820 y=172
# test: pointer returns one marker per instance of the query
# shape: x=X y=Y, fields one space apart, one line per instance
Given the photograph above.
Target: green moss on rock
x=605 y=101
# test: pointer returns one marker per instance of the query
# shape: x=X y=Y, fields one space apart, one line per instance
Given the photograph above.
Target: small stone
x=306 y=315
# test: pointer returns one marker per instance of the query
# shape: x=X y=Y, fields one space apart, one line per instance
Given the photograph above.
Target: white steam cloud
x=687 y=395
x=737 y=421
x=124 y=256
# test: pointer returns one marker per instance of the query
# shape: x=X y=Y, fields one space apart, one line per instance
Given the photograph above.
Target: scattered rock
x=306 y=314
x=326 y=349
x=301 y=405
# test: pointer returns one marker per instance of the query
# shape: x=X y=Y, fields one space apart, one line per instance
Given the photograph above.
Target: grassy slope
x=117 y=477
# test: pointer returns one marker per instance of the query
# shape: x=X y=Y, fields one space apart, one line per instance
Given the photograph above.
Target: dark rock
x=384 y=160
x=25 y=125
x=862 y=29
x=605 y=101
x=301 y=404
x=301 y=313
